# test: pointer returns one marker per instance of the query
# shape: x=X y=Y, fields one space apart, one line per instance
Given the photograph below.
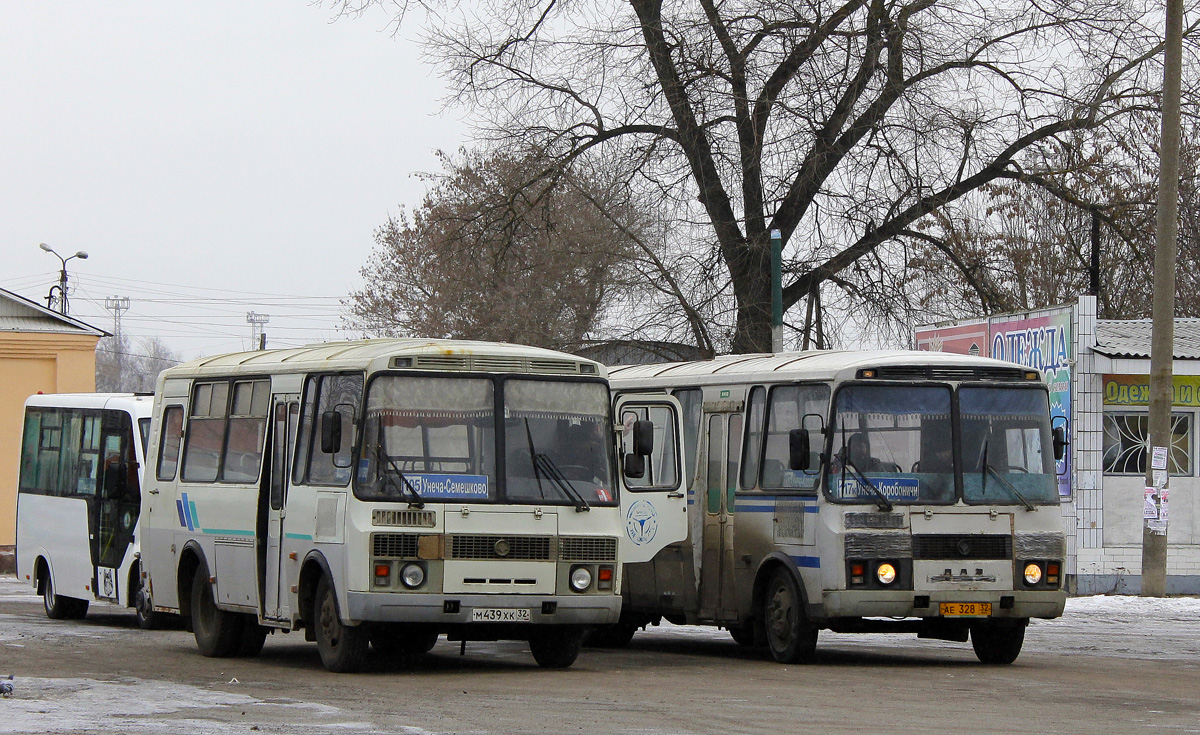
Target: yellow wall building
x=40 y=350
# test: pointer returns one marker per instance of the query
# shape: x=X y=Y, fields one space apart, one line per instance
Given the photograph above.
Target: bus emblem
x=641 y=522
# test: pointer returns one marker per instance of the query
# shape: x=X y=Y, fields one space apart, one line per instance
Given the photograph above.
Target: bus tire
x=556 y=647
x=143 y=606
x=401 y=640
x=343 y=648
x=59 y=607
x=218 y=632
x=743 y=635
x=790 y=637
x=254 y=636
x=997 y=645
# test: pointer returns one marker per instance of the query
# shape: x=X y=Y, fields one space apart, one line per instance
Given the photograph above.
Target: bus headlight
x=1033 y=573
x=885 y=573
x=412 y=575
x=581 y=578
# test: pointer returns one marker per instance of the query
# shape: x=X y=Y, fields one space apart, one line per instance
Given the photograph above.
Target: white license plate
x=500 y=615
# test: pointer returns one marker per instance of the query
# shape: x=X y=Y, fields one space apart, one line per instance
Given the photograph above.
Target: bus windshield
x=1008 y=456
x=892 y=444
x=428 y=439
x=555 y=446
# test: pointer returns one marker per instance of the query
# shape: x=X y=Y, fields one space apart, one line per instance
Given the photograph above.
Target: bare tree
x=504 y=247
x=1028 y=242
x=845 y=124
x=122 y=367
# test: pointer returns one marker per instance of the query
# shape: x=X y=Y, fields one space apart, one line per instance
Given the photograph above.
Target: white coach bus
x=79 y=501
x=858 y=492
x=377 y=494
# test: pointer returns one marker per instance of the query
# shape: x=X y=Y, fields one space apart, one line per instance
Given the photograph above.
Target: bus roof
x=138 y=405
x=816 y=365
x=429 y=354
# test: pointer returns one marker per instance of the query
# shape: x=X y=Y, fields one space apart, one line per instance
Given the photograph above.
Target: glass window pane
x=172 y=437
x=340 y=395
x=787 y=405
x=755 y=411
x=1126 y=443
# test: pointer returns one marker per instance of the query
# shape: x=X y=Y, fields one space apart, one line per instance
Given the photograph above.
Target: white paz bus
x=858 y=492
x=377 y=494
x=79 y=501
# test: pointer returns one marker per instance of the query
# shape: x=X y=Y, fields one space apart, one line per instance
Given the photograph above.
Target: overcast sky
x=212 y=158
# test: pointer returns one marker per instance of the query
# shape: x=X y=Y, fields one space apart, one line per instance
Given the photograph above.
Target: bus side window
x=786 y=408
x=242 y=458
x=691 y=400
x=338 y=393
x=172 y=437
x=206 y=432
x=752 y=451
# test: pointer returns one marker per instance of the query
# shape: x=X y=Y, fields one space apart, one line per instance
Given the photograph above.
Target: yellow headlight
x=885 y=573
x=1033 y=573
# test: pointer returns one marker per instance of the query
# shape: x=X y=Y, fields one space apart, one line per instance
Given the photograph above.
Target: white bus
x=377 y=494
x=858 y=492
x=79 y=501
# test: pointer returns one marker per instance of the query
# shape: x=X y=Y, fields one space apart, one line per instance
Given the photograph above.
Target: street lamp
x=62 y=279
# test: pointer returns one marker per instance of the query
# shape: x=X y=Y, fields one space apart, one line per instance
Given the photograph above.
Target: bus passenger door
x=285 y=409
x=654 y=503
x=723 y=447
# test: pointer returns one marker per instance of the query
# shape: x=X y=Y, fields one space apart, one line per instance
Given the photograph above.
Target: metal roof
x=19 y=314
x=1131 y=338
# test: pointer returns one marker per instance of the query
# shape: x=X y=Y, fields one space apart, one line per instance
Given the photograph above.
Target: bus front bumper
x=452 y=609
x=927 y=604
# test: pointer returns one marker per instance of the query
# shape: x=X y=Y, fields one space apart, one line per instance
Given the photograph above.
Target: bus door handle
x=152 y=492
x=675 y=495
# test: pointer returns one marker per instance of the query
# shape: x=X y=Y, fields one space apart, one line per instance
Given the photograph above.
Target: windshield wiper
x=543 y=465
x=989 y=469
x=405 y=488
x=880 y=499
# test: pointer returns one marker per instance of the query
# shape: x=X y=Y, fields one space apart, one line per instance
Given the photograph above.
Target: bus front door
x=653 y=503
x=272 y=506
x=723 y=446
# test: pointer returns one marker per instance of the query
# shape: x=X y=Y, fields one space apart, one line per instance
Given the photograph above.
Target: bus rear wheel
x=59 y=607
x=343 y=648
x=999 y=645
x=218 y=632
x=556 y=647
x=790 y=637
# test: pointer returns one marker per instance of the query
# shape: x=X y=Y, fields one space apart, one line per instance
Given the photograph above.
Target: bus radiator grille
x=511 y=548
x=415 y=518
x=878 y=546
x=395 y=545
x=1041 y=546
x=574 y=548
x=962 y=546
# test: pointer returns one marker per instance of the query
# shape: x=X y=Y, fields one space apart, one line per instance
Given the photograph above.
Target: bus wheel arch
x=781 y=611
x=314 y=568
x=189 y=560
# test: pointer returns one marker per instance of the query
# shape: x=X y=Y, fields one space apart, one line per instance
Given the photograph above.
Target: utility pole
x=1154 y=525
x=258 y=330
x=118 y=305
x=776 y=291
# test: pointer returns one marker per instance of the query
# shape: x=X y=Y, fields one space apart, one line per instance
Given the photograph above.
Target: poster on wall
x=1042 y=340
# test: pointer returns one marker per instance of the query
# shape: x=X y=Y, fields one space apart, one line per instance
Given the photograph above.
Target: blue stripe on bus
x=188 y=509
x=179 y=507
x=226 y=532
x=194 y=519
x=811 y=562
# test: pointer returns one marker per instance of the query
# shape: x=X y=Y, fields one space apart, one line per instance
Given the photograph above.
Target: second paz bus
x=858 y=492
x=380 y=493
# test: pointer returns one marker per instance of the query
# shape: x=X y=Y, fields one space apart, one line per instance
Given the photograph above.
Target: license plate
x=500 y=615
x=965 y=609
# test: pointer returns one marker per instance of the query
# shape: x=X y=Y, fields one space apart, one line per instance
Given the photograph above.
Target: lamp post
x=62 y=279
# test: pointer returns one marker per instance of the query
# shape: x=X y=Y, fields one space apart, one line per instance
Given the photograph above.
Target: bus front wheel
x=556 y=647
x=59 y=607
x=218 y=632
x=790 y=637
x=147 y=618
x=343 y=648
x=994 y=644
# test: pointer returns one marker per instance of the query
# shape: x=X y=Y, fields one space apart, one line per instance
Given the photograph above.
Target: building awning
x=1131 y=338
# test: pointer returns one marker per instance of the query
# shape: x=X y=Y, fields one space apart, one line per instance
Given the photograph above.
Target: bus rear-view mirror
x=798 y=449
x=634 y=466
x=1060 y=442
x=643 y=438
x=331 y=432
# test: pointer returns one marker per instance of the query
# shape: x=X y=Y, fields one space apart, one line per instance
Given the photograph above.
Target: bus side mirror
x=798 y=449
x=643 y=439
x=1060 y=442
x=635 y=466
x=331 y=432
